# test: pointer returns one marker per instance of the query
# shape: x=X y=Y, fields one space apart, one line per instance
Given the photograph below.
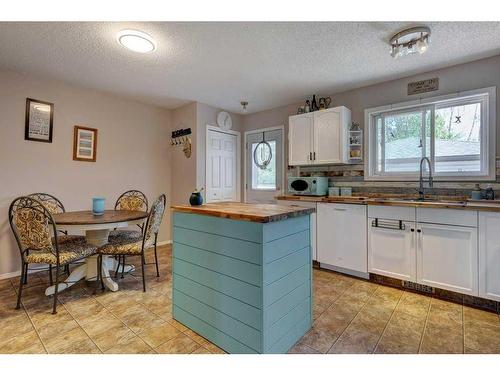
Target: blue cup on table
x=98 y=206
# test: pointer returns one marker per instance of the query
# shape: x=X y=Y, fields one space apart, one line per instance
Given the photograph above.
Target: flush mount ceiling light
x=408 y=41
x=136 y=41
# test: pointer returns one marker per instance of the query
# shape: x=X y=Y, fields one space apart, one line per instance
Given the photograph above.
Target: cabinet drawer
x=447 y=216
x=392 y=213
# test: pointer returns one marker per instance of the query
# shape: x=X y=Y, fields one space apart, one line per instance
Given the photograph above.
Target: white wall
x=184 y=169
x=133 y=151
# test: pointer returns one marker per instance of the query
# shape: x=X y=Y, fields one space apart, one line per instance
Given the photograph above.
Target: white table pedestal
x=88 y=270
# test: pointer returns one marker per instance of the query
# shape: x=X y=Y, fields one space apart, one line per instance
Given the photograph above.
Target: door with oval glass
x=264 y=165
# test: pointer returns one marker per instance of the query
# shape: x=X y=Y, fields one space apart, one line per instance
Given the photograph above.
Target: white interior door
x=263 y=185
x=221 y=171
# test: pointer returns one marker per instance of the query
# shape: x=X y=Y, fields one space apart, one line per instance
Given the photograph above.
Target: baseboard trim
x=363 y=275
x=10 y=275
x=167 y=242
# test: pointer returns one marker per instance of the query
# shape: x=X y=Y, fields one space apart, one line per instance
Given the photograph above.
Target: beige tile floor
x=357 y=316
x=350 y=316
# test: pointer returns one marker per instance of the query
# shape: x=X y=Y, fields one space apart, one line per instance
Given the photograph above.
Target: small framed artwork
x=39 y=121
x=84 y=143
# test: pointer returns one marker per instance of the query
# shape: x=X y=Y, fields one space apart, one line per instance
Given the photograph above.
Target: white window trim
x=488 y=140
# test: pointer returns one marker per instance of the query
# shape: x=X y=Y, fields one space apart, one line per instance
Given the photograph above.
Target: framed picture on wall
x=84 y=143
x=39 y=121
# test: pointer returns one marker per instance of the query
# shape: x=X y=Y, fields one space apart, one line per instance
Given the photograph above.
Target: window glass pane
x=264 y=179
x=457 y=139
x=403 y=141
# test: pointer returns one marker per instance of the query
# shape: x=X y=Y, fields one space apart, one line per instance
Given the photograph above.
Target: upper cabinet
x=300 y=135
x=319 y=137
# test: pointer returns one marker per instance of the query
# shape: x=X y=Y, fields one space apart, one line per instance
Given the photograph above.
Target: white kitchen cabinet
x=300 y=133
x=391 y=248
x=330 y=136
x=341 y=230
x=312 y=221
x=489 y=255
x=447 y=257
x=319 y=137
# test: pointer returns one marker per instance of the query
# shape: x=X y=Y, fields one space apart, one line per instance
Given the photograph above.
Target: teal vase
x=98 y=206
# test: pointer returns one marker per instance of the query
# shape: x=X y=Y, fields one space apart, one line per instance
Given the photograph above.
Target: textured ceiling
x=268 y=64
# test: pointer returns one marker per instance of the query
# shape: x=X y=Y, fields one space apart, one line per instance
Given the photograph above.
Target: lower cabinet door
x=489 y=255
x=342 y=236
x=391 y=249
x=447 y=257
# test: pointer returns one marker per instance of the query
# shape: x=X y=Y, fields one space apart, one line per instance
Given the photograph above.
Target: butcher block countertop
x=259 y=213
x=460 y=203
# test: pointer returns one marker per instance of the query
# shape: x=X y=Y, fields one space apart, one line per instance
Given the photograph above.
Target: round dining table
x=97 y=229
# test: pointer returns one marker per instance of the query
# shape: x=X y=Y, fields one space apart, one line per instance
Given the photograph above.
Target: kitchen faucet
x=421 y=195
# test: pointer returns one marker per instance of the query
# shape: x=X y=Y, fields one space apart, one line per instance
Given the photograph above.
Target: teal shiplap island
x=242 y=274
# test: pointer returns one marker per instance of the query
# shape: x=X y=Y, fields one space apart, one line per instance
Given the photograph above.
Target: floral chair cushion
x=51 y=206
x=33 y=229
x=131 y=203
x=130 y=248
x=121 y=237
x=71 y=248
x=155 y=217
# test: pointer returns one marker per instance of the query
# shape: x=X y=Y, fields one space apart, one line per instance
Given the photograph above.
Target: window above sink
x=456 y=132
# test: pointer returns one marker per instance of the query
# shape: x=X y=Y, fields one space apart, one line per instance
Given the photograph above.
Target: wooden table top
x=87 y=217
x=260 y=213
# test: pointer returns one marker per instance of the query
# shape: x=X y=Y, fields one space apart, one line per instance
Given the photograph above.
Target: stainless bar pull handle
x=388 y=224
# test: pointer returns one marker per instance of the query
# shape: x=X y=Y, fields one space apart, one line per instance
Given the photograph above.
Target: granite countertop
x=259 y=213
x=462 y=203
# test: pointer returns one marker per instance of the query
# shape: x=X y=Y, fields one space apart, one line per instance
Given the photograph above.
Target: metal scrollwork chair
x=54 y=206
x=32 y=225
x=123 y=246
x=132 y=200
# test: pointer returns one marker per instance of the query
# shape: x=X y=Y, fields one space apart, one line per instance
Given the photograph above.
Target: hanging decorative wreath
x=262 y=154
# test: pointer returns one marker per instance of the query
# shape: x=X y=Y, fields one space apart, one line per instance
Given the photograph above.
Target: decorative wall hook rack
x=182 y=137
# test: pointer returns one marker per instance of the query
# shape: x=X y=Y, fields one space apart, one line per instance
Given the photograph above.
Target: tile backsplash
x=353 y=176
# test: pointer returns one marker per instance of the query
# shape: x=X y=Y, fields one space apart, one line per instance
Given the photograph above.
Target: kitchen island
x=242 y=274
